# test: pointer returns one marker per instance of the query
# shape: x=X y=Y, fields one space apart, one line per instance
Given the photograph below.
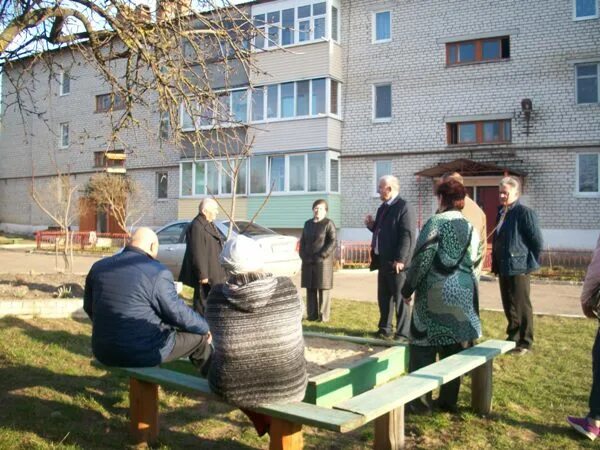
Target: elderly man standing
x=392 y=245
x=200 y=268
x=516 y=251
x=138 y=320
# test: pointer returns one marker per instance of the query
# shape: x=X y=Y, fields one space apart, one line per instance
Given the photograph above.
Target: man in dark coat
x=138 y=320
x=200 y=268
x=392 y=245
x=515 y=253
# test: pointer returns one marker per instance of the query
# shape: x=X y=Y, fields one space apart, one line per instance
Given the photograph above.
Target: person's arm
x=330 y=241
x=88 y=300
x=532 y=233
x=406 y=235
x=199 y=256
x=303 y=254
x=427 y=246
x=171 y=308
x=591 y=283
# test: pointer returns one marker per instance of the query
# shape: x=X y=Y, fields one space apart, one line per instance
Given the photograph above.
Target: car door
x=171 y=247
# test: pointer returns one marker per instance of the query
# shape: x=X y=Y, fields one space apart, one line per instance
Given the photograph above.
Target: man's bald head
x=209 y=208
x=145 y=239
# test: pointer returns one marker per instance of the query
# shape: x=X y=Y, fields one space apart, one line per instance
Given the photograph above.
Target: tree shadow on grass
x=76 y=290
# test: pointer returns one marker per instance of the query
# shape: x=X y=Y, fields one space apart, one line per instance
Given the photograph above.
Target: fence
x=84 y=240
x=358 y=254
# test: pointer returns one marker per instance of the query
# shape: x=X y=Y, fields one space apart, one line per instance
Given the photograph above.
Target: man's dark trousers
x=389 y=285
x=514 y=291
x=200 y=296
x=194 y=346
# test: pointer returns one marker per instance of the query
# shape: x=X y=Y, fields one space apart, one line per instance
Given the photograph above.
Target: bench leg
x=481 y=388
x=285 y=435
x=143 y=411
x=389 y=430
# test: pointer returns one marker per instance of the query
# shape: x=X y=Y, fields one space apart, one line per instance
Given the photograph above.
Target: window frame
x=579 y=193
x=595 y=16
x=590 y=63
x=102 y=161
x=62 y=142
x=159 y=177
x=375 y=177
x=478 y=57
x=374 y=39
x=374 y=117
x=64 y=75
x=479 y=133
x=219 y=164
x=116 y=103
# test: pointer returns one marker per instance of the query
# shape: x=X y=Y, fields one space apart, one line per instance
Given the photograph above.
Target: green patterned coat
x=441 y=275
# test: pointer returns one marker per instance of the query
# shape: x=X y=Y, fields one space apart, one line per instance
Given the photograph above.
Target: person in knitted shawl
x=256 y=323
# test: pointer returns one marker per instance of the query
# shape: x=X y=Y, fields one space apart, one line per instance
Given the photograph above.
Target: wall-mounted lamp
x=527 y=109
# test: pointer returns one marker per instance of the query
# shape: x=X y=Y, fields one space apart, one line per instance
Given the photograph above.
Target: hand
x=369 y=221
x=407 y=300
x=398 y=266
x=588 y=310
x=204 y=281
x=208 y=338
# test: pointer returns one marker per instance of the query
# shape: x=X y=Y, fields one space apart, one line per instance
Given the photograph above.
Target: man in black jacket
x=200 y=268
x=515 y=253
x=392 y=245
x=138 y=320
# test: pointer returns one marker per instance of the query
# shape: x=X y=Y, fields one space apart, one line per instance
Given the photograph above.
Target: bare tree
x=120 y=195
x=177 y=57
x=57 y=200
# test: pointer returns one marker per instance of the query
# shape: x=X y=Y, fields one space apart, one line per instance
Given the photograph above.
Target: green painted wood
x=344 y=383
x=394 y=394
x=303 y=413
x=291 y=211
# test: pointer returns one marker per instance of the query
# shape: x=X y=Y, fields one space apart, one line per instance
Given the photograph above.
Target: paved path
x=348 y=284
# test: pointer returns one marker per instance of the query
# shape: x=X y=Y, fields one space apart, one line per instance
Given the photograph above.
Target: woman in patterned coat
x=445 y=318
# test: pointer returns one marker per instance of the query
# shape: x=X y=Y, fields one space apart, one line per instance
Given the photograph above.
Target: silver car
x=281 y=252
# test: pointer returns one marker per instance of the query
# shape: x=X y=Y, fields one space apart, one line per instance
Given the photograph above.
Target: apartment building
x=350 y=90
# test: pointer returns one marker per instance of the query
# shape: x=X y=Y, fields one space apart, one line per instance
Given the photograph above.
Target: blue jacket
x=518 y=244
x=135 y=310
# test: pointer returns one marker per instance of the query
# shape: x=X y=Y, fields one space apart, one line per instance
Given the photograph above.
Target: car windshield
x=249 y=229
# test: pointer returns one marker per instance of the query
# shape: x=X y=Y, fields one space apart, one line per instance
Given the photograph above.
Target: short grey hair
x=391 y=181
x=511 y=182
x=207 y=201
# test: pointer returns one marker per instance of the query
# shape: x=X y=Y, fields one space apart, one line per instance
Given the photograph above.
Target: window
x=109 y=102
x=297 y=167
x=588 y=82
x=382 y=26
x=229 y=108
x=63 y=137
x=304 y=23
x=277 y=173
x=335 y=32
x=479 y=132
x=172 y=234
x=334 y=179
x=211 y=178
x=382 y=167
x=585 y=9
x=588 y=170
x=113 y=158
x=307 y=98
x=480 y=50
x=382 y=102
x=162 y=185
x=65 y=83
x=258 y=175
x=316 y=172
x=164 y=126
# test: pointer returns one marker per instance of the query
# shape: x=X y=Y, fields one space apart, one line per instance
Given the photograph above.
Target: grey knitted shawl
x=256 y=324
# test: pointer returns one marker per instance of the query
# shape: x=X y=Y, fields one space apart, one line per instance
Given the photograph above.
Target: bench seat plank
x=299 y=412
x=397 y=393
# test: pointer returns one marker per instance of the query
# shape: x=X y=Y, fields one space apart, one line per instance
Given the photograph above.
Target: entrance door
x=488 y=200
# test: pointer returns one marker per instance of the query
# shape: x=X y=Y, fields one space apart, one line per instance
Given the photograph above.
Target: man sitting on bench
x=138 y=320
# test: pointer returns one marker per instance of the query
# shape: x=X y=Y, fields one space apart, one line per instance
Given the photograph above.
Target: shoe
x=383 y=335
x=519 y=351
x=401 y=339
x=583 y=425
x=445 y=407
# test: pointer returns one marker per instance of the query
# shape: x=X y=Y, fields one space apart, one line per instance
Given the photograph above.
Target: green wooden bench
x=346 y=410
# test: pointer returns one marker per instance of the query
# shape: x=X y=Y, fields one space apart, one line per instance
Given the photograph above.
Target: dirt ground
x=41 y=285
x=323 y=355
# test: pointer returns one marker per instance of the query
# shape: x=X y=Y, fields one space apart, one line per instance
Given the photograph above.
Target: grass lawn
x=53 y=395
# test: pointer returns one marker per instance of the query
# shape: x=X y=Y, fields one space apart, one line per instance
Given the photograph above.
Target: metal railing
x=83 y=240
